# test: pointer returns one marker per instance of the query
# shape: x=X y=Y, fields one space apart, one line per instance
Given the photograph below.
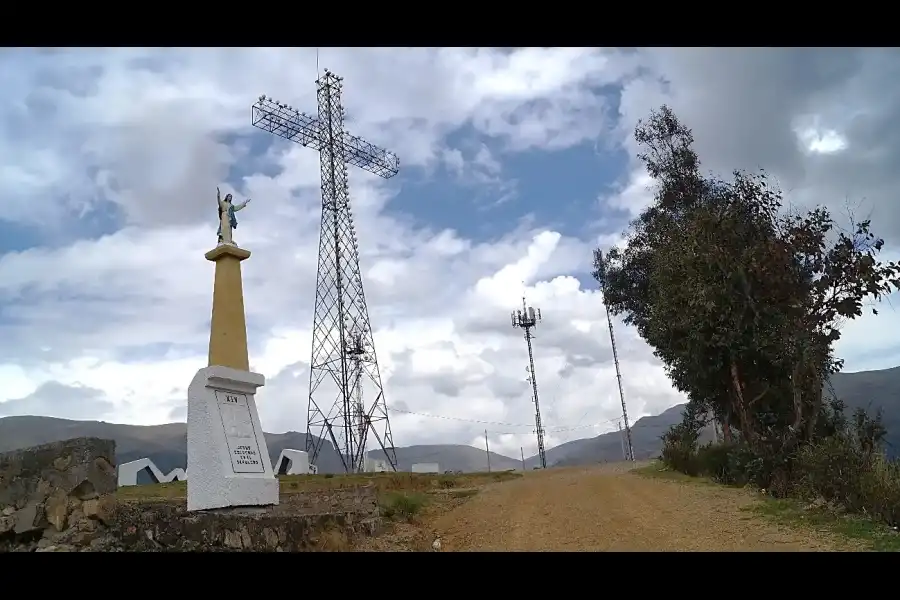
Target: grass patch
x=157 y=491
x=874 y=536
x=462 y=493
x=795 y=513
x=656 y=470
x=293 y=484
x=402 y=506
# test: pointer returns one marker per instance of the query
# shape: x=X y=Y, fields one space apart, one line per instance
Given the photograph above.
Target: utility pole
x=487 y=450
x=343 y=348
x=522 y=451
x=526 y=319
x=601 y=273
x=622 y=439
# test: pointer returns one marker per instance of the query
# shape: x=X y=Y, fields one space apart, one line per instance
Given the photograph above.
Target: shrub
x=397 y=505
x=844 y=466
x=679 y=451
x=881 y=490
x=725 y=463
x=446 y=482
x=846 y=473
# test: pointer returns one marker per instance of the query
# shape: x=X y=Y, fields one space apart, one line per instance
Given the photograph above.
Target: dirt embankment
x=608 y=508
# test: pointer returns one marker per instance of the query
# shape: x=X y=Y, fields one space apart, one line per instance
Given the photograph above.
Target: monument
x=227 y=456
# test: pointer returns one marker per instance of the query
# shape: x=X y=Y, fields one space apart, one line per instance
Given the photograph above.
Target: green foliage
x=731 y=464
x=399 y=505
x=846 y=468
x=679 y=451
x=741 y=300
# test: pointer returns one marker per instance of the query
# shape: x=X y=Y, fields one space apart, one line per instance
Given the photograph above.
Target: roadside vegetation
x=385 y=483
x=743 y=299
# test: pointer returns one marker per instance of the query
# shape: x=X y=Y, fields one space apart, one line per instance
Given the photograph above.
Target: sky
x=515 y=165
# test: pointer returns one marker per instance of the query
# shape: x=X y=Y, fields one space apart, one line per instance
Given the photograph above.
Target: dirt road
x=608 y=508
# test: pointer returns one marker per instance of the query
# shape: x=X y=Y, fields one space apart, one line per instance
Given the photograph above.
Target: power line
x=598 y=261
x=502 y=424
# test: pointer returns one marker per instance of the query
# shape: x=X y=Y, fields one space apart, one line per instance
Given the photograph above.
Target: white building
x=376 y=465
x=128 y=473
x=293 y=462
x=426 y=468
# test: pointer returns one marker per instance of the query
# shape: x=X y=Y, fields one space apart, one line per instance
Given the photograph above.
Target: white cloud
x=151 y=133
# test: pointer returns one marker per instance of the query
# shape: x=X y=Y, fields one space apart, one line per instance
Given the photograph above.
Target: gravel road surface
x=608 y=508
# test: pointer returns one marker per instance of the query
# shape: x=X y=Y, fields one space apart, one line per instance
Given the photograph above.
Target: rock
x=270 y=537
x=45 y=543
x=42 y=489
x=56 y=509
x=233 y=540
x=81 y=467
x=59 y=548
x=86 y=525
x=436 y=545
x=99 y=509
x=29 y=518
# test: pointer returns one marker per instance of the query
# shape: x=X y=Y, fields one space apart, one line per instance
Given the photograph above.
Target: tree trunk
x=797 y=389
x=816 y=409
x=738 y=400
x=726 y=432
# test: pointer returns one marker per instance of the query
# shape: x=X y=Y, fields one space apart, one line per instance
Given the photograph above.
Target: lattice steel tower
x=527 y=319
x=343 y=360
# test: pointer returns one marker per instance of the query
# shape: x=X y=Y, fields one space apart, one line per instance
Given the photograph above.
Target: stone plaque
x=243 y=447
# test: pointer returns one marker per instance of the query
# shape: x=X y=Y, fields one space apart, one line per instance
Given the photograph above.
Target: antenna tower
x=527 y=319
x=601 y=271
x=343 y=349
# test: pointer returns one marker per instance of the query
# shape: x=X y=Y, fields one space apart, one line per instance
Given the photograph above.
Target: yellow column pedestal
x=228 y=330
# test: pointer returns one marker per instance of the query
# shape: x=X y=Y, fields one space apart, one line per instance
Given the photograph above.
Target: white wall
x=293 y=462
x=376 y=465
x=128 y=472
x=426 y=468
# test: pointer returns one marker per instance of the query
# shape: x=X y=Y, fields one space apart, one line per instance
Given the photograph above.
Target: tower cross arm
x=306 y=130
x=283 y=121
x=369 y=157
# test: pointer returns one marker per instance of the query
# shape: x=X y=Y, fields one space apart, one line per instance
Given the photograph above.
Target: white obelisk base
x=227 y=457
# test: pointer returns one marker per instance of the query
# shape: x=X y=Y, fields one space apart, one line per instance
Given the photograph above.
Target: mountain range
x=166 y=444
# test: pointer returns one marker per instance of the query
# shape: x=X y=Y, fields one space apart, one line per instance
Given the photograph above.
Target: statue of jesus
x=227 y=220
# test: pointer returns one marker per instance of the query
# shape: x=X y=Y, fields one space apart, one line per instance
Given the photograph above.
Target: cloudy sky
x=514 y=165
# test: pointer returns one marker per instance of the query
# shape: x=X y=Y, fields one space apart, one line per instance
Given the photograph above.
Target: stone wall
x=61 y=497
x=167 y=527
x=330 y=519
x=54 y=492
x=357 y=499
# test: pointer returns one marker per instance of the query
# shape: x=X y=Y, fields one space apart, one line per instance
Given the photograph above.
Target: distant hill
x=872 y=390
x=645 y=437
x=866 y=389
x=166 y=445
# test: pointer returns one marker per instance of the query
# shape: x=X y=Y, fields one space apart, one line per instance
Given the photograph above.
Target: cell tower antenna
x=343 y=348
x=601 y=273
x=527 y=319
